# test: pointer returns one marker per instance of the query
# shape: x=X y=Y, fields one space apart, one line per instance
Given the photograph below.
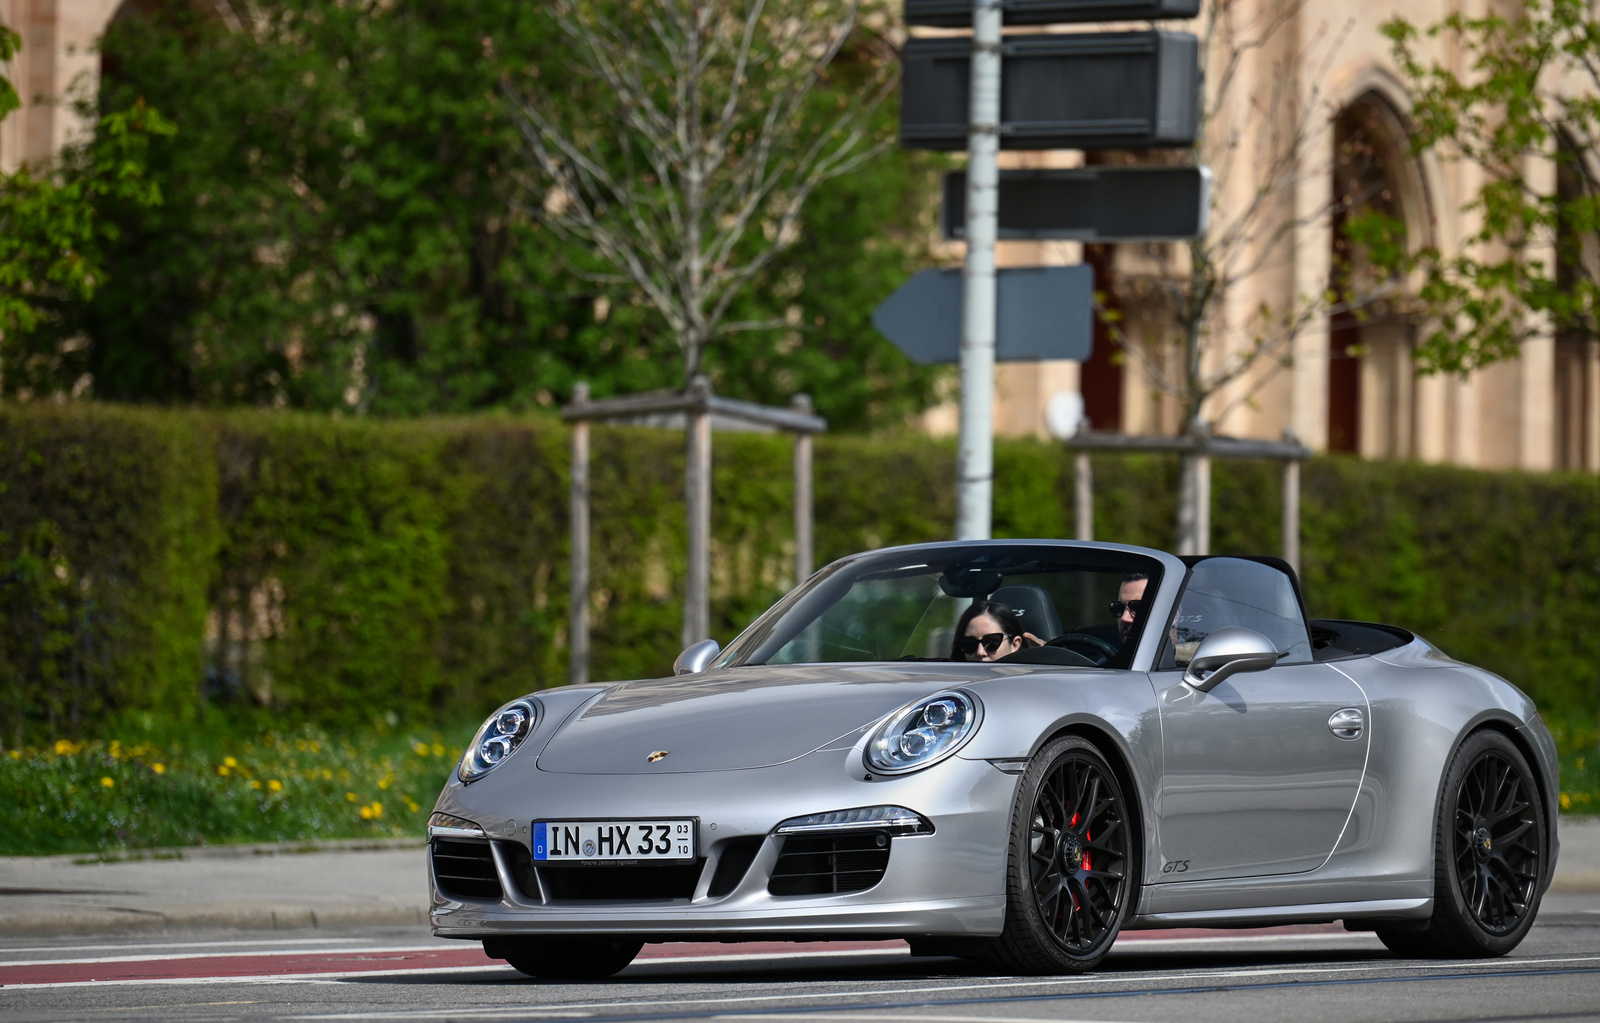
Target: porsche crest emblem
x=660 y=754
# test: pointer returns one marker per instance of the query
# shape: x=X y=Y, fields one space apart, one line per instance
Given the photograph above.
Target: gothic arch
x=1370 y=383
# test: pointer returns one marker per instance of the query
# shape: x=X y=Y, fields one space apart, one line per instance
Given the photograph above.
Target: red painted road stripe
x=470 y=954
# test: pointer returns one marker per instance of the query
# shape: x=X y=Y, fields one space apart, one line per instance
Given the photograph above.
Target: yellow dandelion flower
x=377 y=809
x=64 y=747
x=1566 y=801
x=159 y=768
x=438 y=749
x=230 y=761
x=16 y=754
x=383 y=783
x=327 y=775
x=421 y=749
x=107 y=783
x=275 y=785
x=223 y=770
x=411 y=804
x=255 y=785
x=351 y=796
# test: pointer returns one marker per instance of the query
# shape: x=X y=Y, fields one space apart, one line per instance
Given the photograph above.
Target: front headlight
x=924 y=733
x=498 y=738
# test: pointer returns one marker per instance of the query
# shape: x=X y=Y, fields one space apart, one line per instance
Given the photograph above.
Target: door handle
x=1346 y=723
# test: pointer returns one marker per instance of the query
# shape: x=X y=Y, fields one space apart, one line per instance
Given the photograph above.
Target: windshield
x=1083 y=603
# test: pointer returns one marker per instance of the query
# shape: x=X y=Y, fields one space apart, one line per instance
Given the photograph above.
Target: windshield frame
x=764 y=637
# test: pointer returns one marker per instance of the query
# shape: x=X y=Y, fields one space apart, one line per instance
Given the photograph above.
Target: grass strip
x=240 y=782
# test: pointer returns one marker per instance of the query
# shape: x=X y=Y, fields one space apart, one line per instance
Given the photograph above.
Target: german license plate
x=614 y=841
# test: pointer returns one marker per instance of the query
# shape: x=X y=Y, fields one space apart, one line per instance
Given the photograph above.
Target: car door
x=1260 y=773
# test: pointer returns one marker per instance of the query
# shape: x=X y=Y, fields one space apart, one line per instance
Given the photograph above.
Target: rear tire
x=1072 y=873
x=567 y=957
x=1489 y=856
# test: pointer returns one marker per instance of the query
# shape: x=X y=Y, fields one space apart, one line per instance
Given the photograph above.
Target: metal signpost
x=1090 y=90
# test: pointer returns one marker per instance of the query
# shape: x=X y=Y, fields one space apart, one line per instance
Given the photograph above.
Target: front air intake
x=465 y=870
x=849 y=861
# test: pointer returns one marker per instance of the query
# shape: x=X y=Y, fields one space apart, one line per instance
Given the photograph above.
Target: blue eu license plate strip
x=614 y=840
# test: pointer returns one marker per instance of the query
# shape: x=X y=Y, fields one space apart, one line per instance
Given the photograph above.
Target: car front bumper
x=950 y=882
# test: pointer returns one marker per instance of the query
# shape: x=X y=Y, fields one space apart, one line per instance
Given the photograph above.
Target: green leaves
x=51 y=231
x=10 y=43
x=1527 y=103
x=339 y=229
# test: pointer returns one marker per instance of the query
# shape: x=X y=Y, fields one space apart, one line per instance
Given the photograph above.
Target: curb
x=217 y=916
x=231 y=852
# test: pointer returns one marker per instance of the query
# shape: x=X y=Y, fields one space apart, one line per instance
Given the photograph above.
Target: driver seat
x=1034 y=607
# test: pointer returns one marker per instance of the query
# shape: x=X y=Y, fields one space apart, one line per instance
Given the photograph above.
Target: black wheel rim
x=1498 y=846
x=1078 y=853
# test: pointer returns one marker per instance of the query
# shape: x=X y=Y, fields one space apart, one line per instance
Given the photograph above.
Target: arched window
x=1577 y=369
x=1375 y=187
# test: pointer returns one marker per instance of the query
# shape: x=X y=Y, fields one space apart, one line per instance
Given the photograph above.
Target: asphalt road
x=1318 y=974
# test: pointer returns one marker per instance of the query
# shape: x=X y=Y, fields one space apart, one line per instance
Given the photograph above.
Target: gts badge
x=1175 y=867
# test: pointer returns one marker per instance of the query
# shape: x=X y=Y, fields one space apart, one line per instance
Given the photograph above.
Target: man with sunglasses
x=1129 y=604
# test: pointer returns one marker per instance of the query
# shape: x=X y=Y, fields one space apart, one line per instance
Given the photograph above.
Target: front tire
x=1072 y=875
x=568 y=957
x=1489 y=856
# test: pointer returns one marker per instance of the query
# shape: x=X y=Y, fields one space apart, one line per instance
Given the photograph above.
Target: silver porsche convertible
x=1010 y=751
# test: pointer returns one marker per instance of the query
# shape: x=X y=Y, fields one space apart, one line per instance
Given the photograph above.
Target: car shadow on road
x=895 y=969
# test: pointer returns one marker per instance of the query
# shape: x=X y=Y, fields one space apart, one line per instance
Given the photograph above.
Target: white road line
x=360 y=950
x=998 y=983
x=270 y=978
x=180 y=944
x=880 y=1017
x=1131 y=943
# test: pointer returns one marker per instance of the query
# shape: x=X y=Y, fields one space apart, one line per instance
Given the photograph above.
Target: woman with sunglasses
x=989 y=631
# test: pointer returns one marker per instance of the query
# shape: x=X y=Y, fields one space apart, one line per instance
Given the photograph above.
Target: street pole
x=578 y=629
x=697 y=498
x=975 y=453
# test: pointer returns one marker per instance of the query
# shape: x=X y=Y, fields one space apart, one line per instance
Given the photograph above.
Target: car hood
x=735 y=719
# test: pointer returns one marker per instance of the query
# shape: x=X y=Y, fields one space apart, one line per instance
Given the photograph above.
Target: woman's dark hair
x=1010 y=624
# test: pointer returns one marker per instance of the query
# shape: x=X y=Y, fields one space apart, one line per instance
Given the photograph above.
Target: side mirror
x=1226 y=652
x=695 y=657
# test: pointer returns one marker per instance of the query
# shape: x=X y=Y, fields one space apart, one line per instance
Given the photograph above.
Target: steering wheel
x=1100 y=652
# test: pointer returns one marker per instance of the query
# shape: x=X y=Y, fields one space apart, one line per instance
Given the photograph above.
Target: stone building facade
x=1346 y=382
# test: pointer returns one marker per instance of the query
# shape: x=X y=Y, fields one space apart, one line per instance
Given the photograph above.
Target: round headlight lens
x=499 y=738
x=923 y=733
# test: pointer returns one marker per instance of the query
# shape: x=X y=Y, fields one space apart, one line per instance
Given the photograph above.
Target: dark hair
x=1133 y=577
x=1010 y=624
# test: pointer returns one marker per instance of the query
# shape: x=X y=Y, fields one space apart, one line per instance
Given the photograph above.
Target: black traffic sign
x=1091 y=204
x=1044 y=312
x=958 y=13
x=1084 y=90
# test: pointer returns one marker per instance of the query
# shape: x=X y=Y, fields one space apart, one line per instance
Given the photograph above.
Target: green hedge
x=337 y=570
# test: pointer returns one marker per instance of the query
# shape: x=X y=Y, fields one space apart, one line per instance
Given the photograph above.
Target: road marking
x=187 y=956
x=180 y=944
x=876 y=1017
x=1002 y=983
x=1129 y=942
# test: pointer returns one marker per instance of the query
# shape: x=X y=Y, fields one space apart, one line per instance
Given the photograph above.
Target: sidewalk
x=330 y=885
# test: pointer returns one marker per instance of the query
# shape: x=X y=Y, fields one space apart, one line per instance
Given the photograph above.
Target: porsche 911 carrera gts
x=1010 y=751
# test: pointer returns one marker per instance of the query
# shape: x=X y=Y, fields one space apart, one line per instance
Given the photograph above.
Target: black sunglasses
x=1135 y=606
x=968 y=645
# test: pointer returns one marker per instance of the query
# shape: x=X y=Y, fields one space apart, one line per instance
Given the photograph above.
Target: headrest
x=1034 y=607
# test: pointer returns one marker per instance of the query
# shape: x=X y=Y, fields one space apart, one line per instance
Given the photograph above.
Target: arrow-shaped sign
x=1045 y=312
